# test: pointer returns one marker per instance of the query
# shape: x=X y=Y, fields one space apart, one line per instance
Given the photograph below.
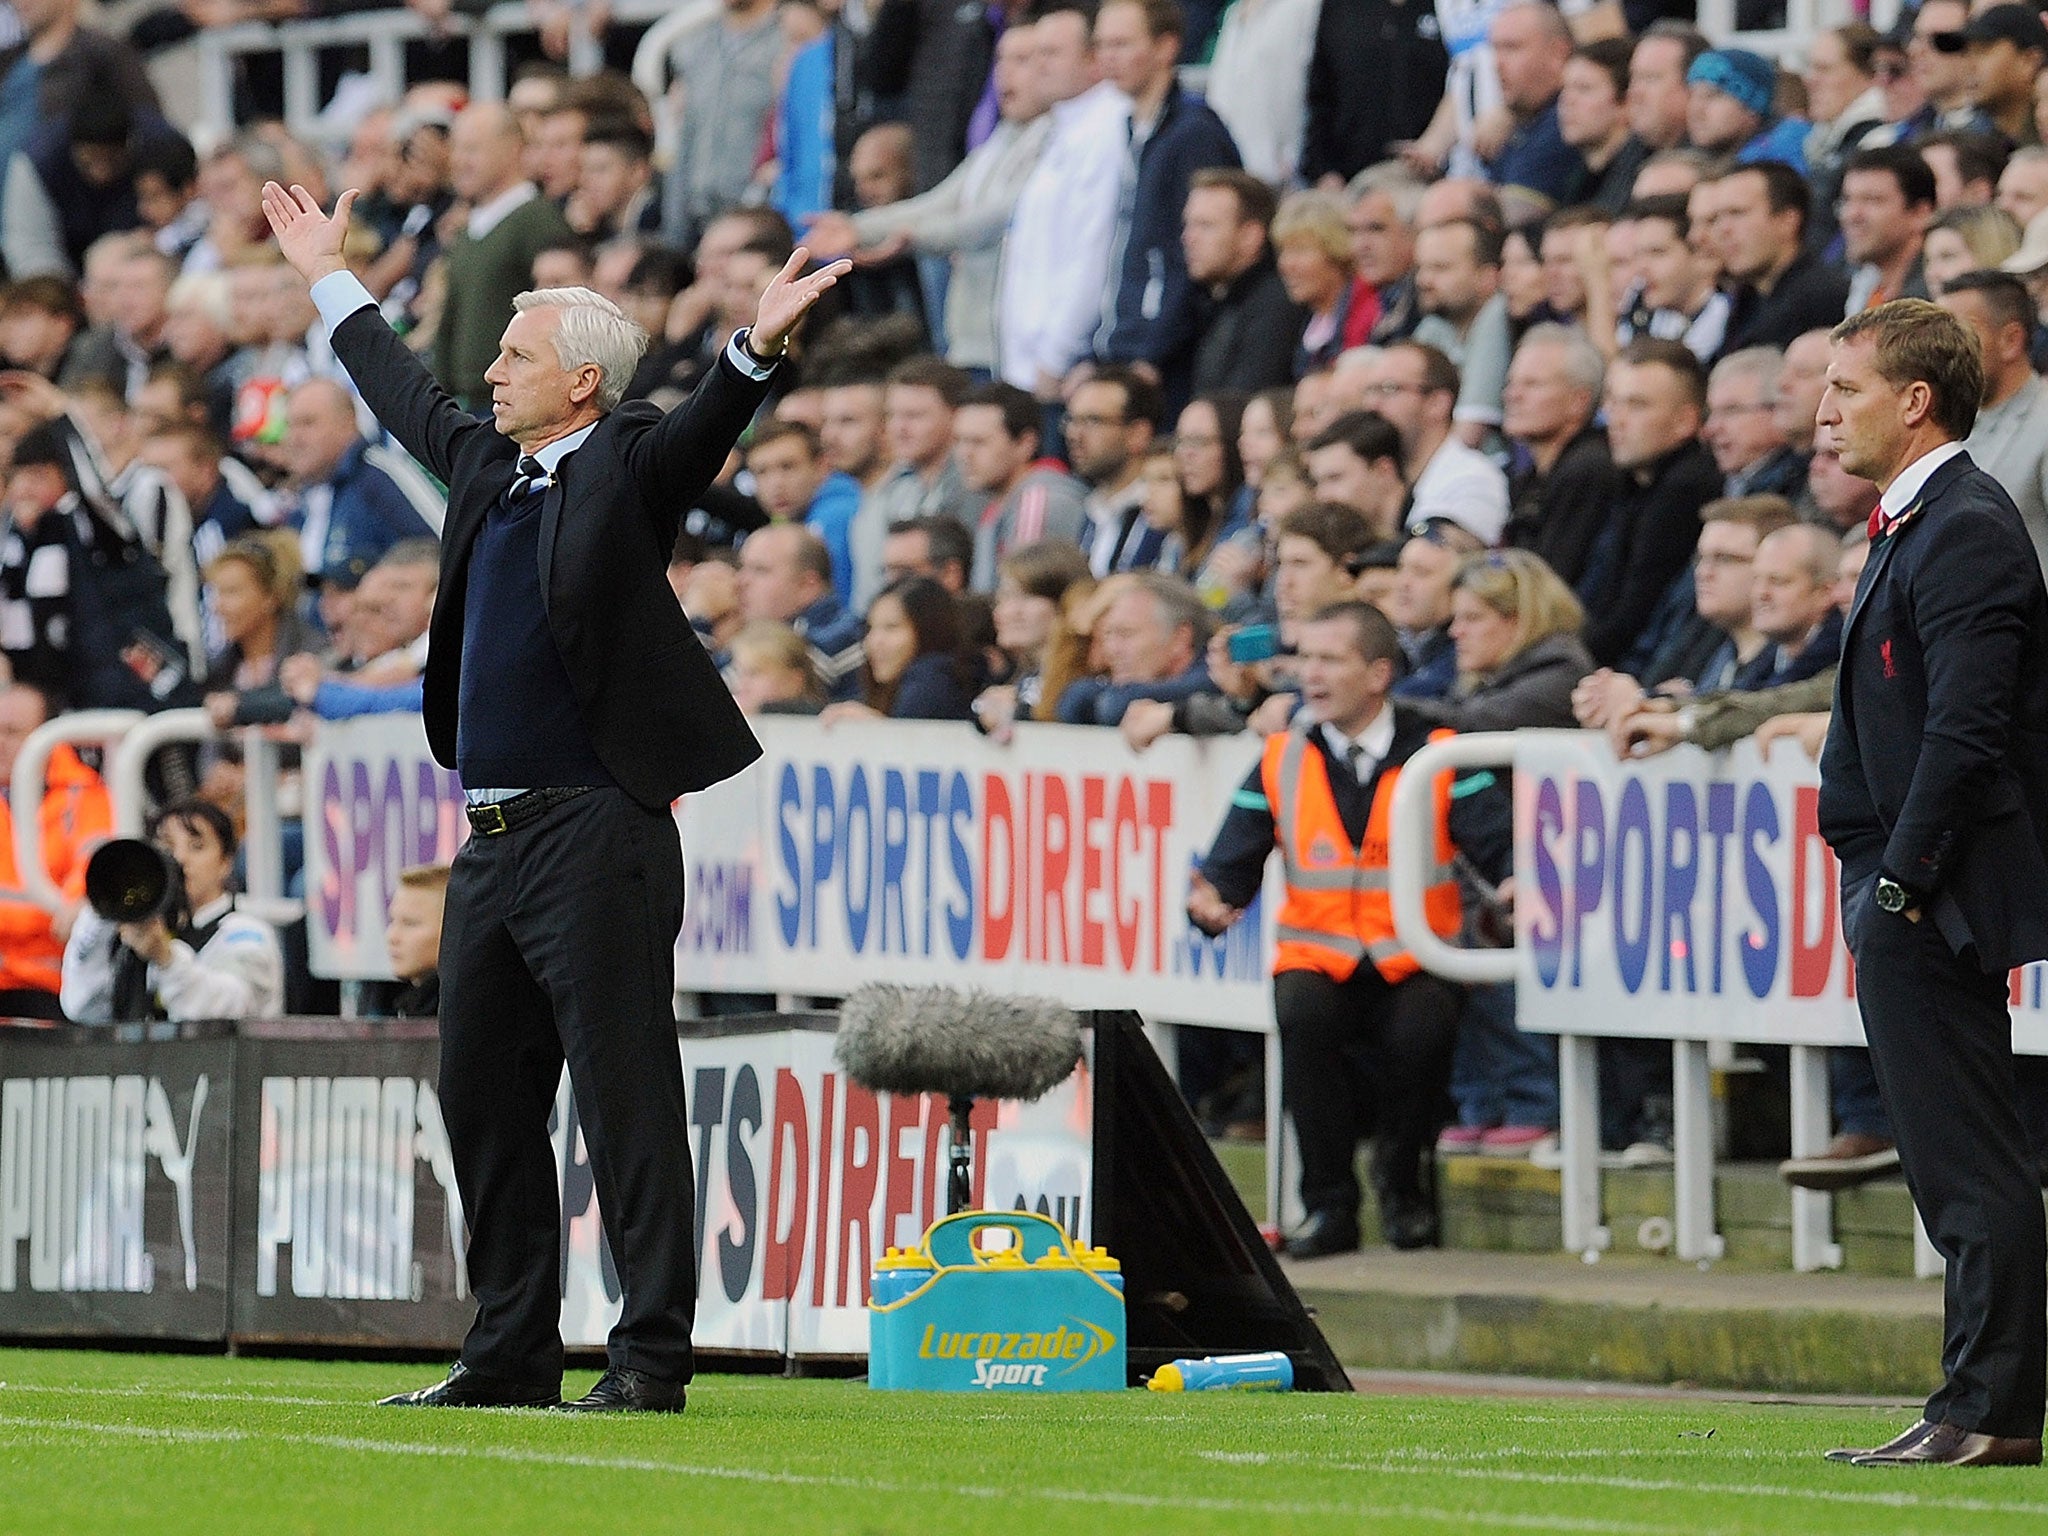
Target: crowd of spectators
x=1508 y=319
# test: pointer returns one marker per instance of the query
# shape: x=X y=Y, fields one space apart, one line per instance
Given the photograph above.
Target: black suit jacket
x=1936 y=765
x=659 y=716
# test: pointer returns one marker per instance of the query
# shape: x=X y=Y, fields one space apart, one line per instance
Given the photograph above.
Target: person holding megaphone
x=159 y=936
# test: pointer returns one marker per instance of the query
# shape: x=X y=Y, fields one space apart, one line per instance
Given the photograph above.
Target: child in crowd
x=412 y=938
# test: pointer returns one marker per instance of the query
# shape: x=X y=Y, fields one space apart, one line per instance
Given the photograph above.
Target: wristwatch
x=1892 y=896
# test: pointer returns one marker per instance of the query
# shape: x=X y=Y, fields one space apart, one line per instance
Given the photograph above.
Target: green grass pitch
x=162 y=1444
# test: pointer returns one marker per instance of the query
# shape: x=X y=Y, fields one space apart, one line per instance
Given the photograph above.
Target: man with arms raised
x=566 y=687
x=1934 y=791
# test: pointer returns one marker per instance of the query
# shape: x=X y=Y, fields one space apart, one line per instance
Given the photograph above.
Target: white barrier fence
x=905 y=852
x=384 y=35
x=1687 y=897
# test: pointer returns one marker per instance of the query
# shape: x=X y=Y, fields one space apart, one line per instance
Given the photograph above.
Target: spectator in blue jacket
x=1728 y=110
x=1150 y=311
x=786 y=576
x=1152 y=635
x=356 y=499
x=794 y=484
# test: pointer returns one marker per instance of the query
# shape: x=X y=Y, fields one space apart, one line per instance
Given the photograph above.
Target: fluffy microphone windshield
x=897 y=1039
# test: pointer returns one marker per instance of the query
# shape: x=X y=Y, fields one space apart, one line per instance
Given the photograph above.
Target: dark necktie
x=1354 y=754
x=532 y=477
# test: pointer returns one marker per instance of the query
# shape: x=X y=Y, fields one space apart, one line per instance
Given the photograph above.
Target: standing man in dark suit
x=568 y=690
x=1934 y=792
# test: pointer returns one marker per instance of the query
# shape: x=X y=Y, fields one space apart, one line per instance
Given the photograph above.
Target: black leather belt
x=497 y=817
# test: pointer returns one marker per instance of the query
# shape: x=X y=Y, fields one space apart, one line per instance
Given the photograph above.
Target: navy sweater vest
x=517 y=724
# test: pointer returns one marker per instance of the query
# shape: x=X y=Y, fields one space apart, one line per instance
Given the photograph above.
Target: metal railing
x=90 y=727
x=385 y=33
x=131 y=738
x=1583 y=1228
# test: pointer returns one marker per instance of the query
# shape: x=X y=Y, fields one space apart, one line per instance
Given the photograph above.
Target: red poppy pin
x=1885 y=650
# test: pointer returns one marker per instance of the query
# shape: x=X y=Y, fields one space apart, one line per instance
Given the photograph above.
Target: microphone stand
x=960 y=1156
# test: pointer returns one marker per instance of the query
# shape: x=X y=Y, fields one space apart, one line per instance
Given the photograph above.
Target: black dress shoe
x=1946 y=1445
x=1891 y=1447
x=1322 y=1234
x=619 y=1390
x=465 y=1388
x=1409 y=1222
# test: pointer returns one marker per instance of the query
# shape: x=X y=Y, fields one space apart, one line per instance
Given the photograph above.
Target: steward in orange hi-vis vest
x=1366 y=1036
x=1339 y=907
x=76 y=814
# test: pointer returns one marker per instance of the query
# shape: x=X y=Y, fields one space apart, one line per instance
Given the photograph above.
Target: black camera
x=128 y=880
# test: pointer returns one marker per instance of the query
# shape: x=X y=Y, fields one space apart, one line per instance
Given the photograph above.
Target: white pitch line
x=1463 y=1518
x=156 y=1394
x=1666 y=1485
x=1509 y=1452
x=186 y=1395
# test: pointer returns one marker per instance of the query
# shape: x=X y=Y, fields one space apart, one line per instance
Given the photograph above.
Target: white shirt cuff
x=339 y=295
x=735 y=349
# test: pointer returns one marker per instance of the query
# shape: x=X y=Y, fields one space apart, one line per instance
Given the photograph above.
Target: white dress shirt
x=1373 y=743
x=1899 y=497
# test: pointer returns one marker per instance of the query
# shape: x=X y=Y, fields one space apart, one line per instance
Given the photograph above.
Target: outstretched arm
x=400 y=391
x=685 y=453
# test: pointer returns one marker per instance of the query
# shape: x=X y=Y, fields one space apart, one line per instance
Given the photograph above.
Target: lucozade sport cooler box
x=1034 y=1315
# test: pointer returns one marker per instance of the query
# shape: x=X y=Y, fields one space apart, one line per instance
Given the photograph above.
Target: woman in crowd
x=1976 y=239
x=201 y=960
x=1038 y=590
x=1516 y=628
x=1205 y=452
x=1031 y=584
x=1522 y=284
x=250 y=589
x=1236 y=568
x=1312 y=245
x=772 y=671
x=919 y=665
x=1262 y=431
x=1188 y=522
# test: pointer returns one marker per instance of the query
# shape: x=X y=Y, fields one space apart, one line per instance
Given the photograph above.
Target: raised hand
x=310 y=240
x=788 y=299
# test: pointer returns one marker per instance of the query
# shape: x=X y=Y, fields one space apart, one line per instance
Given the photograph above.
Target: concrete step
x=1629 y=1318
x=1508 y=1205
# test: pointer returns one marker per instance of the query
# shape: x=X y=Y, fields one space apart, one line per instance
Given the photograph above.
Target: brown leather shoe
x=1946 y=1445
x=1891 y=1447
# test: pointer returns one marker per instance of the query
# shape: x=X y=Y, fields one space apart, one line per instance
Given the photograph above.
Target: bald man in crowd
x=491 y=258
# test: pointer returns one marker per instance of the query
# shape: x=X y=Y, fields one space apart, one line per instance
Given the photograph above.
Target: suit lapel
x=1924 y=507
x=1873 y=572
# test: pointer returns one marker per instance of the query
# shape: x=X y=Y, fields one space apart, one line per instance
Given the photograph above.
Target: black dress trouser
x=559 y=943
x=1941 y=1042
x=1358 y=1058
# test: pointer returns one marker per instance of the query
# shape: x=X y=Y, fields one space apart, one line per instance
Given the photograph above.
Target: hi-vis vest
x=1339 y=907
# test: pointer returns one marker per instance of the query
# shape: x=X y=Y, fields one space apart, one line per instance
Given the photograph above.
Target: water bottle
x=1268 y=1372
